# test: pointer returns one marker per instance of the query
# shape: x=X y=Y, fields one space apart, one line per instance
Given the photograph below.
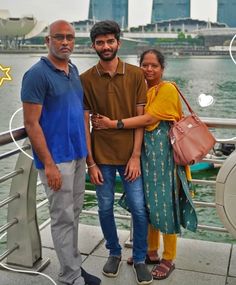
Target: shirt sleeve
x=87 y=106
x=34 y=87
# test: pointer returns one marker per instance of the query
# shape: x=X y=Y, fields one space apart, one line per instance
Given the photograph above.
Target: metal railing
x=22 y=226
x=5 y=138
x=22 y=209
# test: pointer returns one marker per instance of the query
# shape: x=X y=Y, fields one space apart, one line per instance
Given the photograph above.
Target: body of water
x=211 y=76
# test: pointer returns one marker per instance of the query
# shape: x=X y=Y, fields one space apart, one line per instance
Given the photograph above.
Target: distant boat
x=201 y=166
x=175 y=54
x=222 y=152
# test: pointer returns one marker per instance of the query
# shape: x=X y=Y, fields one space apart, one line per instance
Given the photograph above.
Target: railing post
x=26 y=232
x=129 y=241
x=226 y=194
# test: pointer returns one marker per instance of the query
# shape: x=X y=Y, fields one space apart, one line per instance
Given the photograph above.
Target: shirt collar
x=51 y=65
x=120 y=68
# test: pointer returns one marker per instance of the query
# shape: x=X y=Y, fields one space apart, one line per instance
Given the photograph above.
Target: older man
x=52 y=99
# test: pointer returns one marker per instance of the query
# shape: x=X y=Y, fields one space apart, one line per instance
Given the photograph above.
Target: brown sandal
x=130 y=261
x=162 y=270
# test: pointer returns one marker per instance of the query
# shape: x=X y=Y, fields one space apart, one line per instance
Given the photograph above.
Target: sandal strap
x=167 y=263
x=164 y=266
x=159 y=268
x=163 y=270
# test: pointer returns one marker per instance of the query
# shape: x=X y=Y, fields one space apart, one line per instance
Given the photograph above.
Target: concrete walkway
x=198 y=262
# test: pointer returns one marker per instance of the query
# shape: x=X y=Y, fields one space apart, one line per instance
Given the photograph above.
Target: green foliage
x=181 y=35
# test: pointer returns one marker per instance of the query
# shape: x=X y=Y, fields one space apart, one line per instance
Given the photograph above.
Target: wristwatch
x=120 y=124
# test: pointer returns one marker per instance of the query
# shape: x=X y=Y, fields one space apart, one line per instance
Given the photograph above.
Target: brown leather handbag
x=190 y=138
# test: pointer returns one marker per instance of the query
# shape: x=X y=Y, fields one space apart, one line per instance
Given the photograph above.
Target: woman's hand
x=100 y=122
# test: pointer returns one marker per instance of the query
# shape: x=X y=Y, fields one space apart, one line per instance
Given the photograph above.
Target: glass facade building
x=226 y=12
x=116 y=10
x=170 y=9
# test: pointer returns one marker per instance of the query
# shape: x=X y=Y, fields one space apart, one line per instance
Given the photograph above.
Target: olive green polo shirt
x=117 y=98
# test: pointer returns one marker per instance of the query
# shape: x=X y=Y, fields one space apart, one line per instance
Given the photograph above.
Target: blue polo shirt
x=62 y=117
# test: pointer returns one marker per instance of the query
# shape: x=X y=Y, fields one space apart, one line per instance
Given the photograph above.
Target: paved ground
x=197 y=263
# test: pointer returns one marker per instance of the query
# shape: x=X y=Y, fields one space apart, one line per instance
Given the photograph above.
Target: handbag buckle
x=172 y=140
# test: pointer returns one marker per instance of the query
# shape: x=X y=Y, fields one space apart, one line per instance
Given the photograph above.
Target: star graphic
x=6 y=76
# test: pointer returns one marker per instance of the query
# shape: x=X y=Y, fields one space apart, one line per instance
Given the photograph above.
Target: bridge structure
x=156 y=34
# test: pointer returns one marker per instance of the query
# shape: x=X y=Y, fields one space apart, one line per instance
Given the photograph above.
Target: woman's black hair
x=160 y=57
x=105 y=28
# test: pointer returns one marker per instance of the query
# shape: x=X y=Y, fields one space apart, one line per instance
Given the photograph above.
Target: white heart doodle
x=230 y=49
x=205 y=100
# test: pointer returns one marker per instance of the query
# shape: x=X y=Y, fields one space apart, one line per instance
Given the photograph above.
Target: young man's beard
x=109 y=58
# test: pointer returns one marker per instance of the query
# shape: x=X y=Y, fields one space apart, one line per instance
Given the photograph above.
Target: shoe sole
x=142 y=282
x=112 y=275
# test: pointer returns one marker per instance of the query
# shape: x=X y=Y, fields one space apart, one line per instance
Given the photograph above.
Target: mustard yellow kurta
x=165 y=184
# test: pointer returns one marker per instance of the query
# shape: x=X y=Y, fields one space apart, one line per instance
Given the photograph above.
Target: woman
x=165 y=184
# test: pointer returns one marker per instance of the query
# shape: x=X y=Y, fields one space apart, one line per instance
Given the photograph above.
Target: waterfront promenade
x=198 y=262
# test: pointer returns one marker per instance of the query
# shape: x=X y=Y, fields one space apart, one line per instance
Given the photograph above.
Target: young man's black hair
x=104 y=28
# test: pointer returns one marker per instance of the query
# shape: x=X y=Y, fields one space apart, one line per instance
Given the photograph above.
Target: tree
x=181 y=35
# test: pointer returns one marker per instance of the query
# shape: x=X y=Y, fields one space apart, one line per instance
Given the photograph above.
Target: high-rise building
x=170 y=9
x=116 y=10
x=226 y=12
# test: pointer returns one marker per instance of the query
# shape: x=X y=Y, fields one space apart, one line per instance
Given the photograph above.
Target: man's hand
x=133 y=169
x=54 y=178
x=95 y=175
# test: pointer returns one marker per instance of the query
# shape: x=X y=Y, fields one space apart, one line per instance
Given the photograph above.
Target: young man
x=117 y=90
x=52 y=99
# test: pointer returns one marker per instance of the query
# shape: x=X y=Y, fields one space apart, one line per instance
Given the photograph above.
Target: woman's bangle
x=92 y=165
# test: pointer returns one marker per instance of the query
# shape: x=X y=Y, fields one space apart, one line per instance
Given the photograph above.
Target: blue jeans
x=136 y=204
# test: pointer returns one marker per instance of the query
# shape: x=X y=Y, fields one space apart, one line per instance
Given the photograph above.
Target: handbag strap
x=182 y=96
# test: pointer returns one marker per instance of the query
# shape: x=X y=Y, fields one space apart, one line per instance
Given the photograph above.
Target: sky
x=75 y=10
